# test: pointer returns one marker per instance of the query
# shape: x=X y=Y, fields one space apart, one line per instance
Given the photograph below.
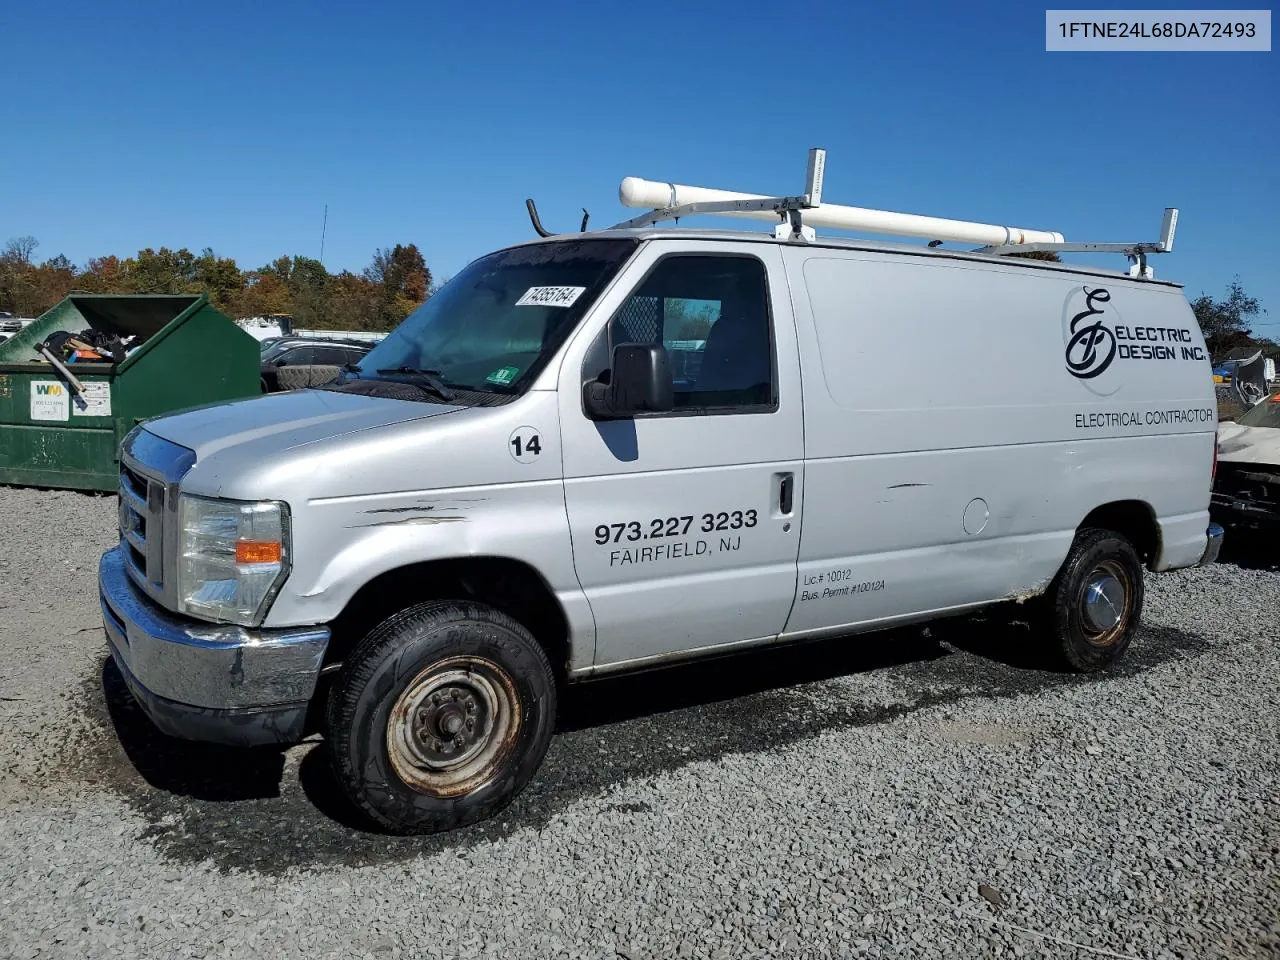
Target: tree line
x=1228 y=323
x=394 y=283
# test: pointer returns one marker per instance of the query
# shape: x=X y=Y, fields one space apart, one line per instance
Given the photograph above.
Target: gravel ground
x=847 y=799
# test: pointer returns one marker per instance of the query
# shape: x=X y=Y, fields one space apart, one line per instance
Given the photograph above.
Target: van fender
x=524 y=522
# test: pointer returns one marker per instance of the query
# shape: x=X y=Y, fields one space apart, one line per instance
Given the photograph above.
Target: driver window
x=711 y=314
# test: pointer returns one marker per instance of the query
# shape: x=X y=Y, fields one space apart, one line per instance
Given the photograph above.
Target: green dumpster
x=62 y=420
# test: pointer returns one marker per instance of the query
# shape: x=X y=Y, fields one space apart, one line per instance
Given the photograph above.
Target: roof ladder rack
x=801 y=213
x=1135 y=252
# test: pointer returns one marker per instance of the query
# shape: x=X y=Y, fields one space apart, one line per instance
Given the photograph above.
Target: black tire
x=1078 y=642
x=387 y=738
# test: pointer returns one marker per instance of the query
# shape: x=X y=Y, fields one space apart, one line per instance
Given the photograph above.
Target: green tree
x=18 y=289
x=308 y=293
x=161 y=271
x=1226 y=323
x=353 y=302
x=1049 y=255
x=218 y=277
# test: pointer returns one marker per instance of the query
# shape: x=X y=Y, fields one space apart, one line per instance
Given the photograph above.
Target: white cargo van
x=616 y=449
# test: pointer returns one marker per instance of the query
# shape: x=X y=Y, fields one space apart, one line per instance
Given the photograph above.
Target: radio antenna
x=323 y=227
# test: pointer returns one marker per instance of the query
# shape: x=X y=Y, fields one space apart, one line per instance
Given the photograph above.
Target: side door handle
x=786 y=491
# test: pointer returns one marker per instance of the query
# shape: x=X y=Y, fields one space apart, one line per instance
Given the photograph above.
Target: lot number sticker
x=50 y=400
x=94 y=402
x=550 y=296
x=525 y=445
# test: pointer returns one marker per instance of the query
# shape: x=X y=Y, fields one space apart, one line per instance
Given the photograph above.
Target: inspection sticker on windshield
x=503 y=375
x=550 y=296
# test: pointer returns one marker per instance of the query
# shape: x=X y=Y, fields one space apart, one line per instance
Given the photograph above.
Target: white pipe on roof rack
x=637 y=192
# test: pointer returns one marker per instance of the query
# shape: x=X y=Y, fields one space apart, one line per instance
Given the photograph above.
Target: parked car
x=304 y=352
x=1246 y=486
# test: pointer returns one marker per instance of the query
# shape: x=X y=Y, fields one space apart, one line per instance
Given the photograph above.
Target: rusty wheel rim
x=453 y=725
x=1104 y=603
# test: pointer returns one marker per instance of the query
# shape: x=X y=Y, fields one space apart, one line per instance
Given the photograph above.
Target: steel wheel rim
x=1104 y=603
x=453 y=725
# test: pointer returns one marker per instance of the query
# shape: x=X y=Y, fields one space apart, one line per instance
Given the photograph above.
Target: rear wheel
x=440 y=717
x=1094 y=604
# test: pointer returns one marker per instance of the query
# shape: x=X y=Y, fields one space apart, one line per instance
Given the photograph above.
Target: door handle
x=786 y=489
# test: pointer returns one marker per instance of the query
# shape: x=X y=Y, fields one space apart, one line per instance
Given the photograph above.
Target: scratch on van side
x=408 y=521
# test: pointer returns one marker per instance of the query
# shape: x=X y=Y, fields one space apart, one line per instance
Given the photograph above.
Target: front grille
x=150 y=471
x=135 y=482
x=142 y=527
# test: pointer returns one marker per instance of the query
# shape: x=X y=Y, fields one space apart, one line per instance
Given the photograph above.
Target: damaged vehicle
x=605 y=452
x=1246 y=489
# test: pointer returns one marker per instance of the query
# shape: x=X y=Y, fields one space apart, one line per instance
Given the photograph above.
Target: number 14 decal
x=525 y=445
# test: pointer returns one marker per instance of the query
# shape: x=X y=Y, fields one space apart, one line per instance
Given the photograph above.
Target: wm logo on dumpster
x=49 y=389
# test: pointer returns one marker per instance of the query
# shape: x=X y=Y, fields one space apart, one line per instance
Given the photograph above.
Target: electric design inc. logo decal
x=1092 y=346
x=1099 y=342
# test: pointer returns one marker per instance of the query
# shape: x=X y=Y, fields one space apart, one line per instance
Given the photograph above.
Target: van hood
x=287 y=420
x=1239 y=443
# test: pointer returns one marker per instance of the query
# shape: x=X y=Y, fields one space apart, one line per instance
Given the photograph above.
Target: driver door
x=685 y=523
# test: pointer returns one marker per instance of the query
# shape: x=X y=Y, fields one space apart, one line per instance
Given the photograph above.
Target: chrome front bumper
x=204 y=681
x=1213 y=546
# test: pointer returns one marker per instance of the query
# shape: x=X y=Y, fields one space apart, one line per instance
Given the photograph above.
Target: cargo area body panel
x=951 y=452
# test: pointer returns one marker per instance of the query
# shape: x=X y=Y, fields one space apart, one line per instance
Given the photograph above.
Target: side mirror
x=639 y=381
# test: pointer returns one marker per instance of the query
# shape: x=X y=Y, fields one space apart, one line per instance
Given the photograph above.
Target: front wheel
x=1092 y=608
x=440 y=717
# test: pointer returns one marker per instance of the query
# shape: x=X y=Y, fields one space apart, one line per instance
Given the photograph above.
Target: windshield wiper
x=430 y=378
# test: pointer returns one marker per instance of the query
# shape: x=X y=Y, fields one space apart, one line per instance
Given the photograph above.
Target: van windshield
x=1264 y=414
x=494 y=326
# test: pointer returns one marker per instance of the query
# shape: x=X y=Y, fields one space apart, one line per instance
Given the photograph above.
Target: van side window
x=712 y=316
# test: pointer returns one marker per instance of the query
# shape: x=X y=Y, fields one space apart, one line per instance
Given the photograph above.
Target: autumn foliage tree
x=396 y=281
x=402 y=277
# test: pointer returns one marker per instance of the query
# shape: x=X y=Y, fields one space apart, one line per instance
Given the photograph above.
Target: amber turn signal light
x=258 y=551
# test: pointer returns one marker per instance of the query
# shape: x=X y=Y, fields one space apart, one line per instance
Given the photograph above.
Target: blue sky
x=232 y=125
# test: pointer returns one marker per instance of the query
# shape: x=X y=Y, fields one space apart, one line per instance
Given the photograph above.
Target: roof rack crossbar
x=780 y=205
x=787 y=208
x=1135 y=252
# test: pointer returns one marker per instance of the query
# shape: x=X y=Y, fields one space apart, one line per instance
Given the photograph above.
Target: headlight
x=233 y=557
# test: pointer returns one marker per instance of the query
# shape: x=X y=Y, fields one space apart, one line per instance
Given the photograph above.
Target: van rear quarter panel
x=950 y=452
